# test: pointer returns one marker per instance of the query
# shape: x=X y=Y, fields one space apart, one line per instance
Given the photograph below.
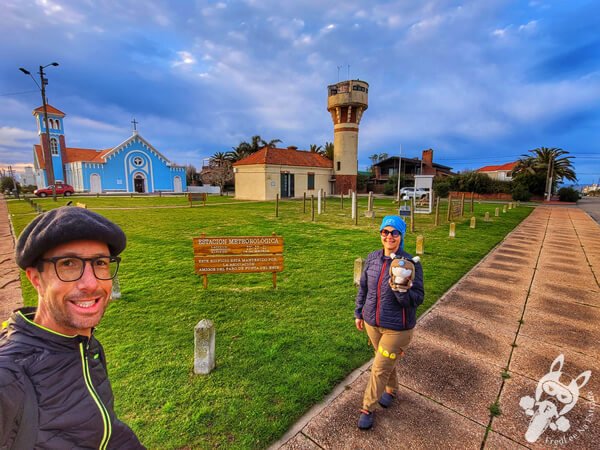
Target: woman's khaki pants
x=389 y=346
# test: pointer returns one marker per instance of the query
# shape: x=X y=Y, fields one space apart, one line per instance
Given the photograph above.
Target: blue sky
x=480 y=82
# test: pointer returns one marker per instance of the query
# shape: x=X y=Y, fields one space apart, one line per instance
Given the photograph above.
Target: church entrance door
x=95 y=184
x=177 y=184
x=139 y=183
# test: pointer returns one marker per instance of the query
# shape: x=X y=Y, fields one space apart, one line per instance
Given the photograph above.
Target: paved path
x=10 y=285
x=534 y=297
x=591 y=205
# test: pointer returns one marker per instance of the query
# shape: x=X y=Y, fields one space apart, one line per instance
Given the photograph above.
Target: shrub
x=520 y=193
x=7 y=184
x=391 y=186
x=441 y=187
x=361 y=182
x=501 y=187
x=568 y=194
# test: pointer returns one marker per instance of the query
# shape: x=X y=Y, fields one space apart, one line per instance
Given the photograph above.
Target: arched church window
x=138 y=161
x=53 y=147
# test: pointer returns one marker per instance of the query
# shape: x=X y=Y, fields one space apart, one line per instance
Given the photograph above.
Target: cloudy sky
x=481 y=82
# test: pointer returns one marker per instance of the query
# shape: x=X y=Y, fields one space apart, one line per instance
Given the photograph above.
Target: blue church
x=132 y=166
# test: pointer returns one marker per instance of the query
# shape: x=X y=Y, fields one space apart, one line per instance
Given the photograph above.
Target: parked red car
x=61 y=189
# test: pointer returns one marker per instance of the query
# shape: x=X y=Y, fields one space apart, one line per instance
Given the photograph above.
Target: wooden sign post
x=238 y=254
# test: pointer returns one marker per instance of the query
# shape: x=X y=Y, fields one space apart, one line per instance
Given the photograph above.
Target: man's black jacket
x=74 y=396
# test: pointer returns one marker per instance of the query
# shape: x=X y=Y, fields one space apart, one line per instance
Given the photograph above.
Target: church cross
x=134 y=122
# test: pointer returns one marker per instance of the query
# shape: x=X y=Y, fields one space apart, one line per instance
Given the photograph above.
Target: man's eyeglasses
x=394 y=233
x=71 y=268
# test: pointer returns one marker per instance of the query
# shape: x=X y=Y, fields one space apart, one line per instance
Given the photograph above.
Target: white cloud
x=185 y=58
x=91 y=124
x=501 y=32
x=60 y=13
x=529 y=27
x=13 y=137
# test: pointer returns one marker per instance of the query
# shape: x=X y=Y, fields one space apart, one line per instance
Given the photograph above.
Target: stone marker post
x=452 y=230
x=504 y=209
x=116 y=289
x=497 y=212
x=204 y=347
x=319 y=195
x=353 y=205
x=359 y=264
x=473 y=222
x=510 y=205
x=419 y=250
x=486 y=217
x=312 y=207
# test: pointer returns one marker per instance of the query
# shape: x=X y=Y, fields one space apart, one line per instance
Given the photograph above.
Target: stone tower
x=346 y=102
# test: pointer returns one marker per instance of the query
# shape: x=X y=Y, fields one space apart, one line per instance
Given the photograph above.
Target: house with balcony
x=407 y=168
x=502 y=172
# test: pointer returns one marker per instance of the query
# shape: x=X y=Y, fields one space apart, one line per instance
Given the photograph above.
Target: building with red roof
x=132 y=166
x=502 y=172
x=288 y=172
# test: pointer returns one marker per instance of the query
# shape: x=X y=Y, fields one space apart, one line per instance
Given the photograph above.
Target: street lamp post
x=48 y=151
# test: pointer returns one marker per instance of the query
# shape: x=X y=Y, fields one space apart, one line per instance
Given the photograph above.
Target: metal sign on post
x=424 y=203
x=242 y=254
x=404 y=210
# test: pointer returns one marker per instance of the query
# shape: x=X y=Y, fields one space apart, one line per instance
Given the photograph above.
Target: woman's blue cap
x=395 y=222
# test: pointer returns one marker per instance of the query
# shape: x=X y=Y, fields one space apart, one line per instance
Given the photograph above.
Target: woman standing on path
x=387 y=311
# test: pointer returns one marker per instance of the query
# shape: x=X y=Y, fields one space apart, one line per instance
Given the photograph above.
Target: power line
x=17 y=93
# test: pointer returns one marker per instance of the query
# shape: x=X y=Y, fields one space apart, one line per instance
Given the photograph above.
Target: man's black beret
x=66 y=224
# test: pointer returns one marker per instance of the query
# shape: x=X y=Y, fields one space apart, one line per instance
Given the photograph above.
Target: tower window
x=53 y=147
x=339 y=165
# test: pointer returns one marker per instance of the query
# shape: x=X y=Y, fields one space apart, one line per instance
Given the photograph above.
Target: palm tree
x=270 y=144
x=237 y=153
x=245 y=148
x=314 y=148
x=549 y=160
x=328 y=153
x=219 y=159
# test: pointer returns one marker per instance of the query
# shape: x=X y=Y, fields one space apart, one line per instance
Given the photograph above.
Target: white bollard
x=354 y=205
x=204 y=347
x=319 y=195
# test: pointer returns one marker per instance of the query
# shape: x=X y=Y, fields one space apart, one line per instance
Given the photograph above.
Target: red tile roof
x=75 y=154
x=507 y=167
x=51 y=110
x=286 y=157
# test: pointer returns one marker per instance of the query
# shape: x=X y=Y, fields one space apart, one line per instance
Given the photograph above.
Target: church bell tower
x=346 y=102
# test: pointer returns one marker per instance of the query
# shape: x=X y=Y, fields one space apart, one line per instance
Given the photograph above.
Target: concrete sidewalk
x=534 y=297
x=10 y=283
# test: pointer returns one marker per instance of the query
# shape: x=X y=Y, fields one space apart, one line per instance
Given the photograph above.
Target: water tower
x=346 y=102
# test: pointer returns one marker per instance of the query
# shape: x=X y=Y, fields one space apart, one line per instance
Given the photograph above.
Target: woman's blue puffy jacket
x=378 y=305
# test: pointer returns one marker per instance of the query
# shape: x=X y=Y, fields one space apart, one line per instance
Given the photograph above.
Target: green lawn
x=278 y=351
